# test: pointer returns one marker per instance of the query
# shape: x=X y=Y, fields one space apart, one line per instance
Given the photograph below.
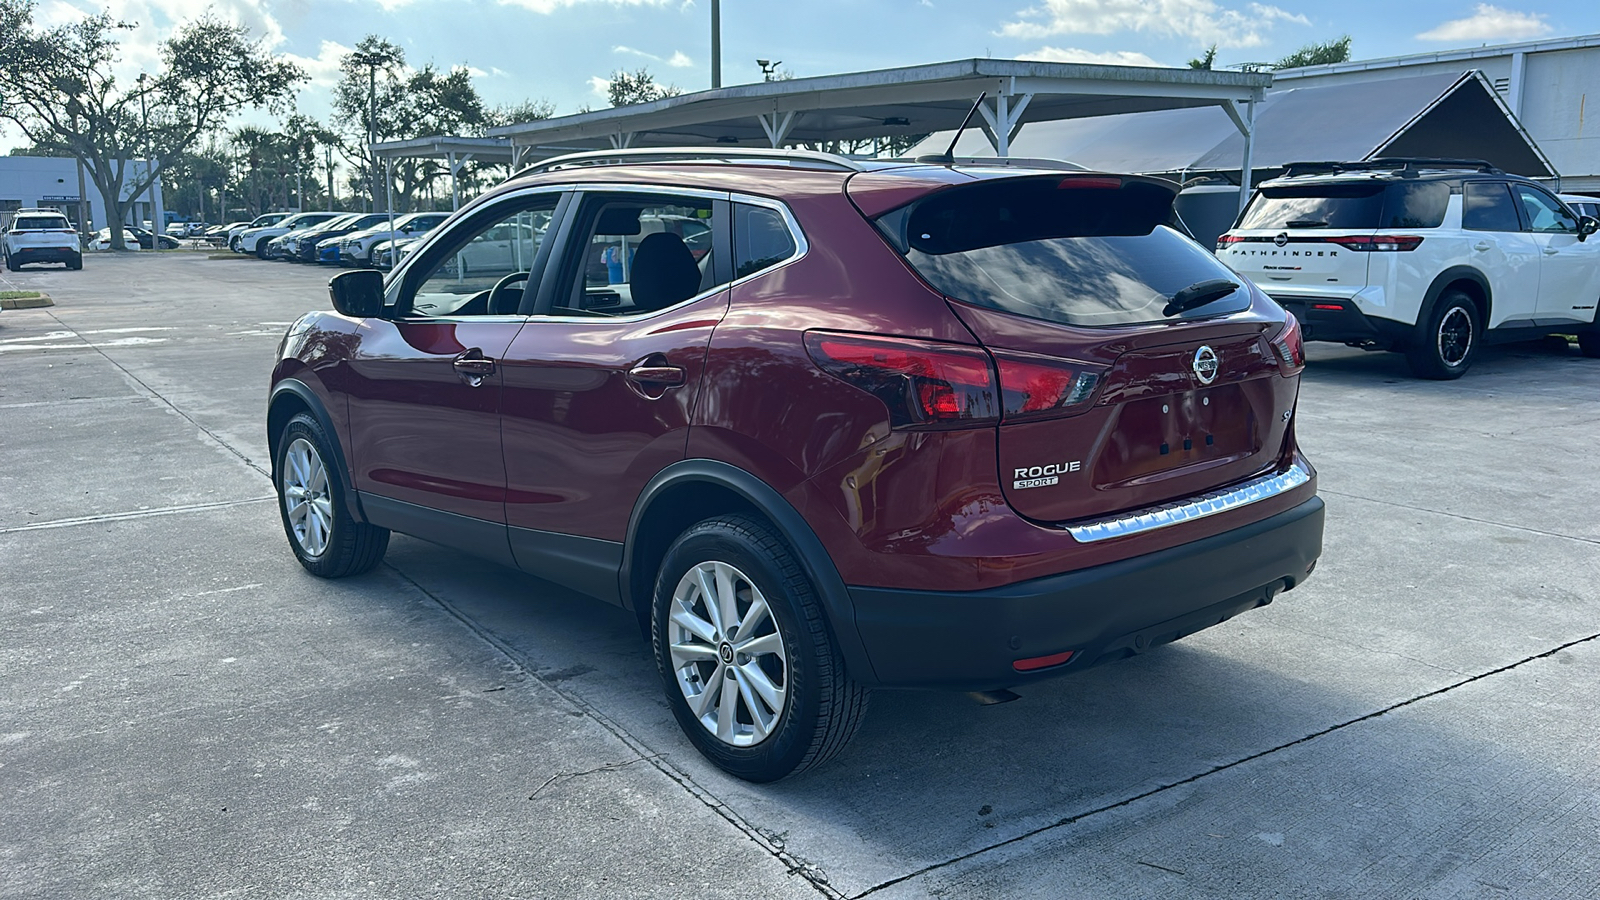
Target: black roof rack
x=1406 y=166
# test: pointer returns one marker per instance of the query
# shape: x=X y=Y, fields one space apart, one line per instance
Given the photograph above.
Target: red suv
x=825 y=425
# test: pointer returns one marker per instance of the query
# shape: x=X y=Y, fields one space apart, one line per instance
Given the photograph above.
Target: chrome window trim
x=1190 y=510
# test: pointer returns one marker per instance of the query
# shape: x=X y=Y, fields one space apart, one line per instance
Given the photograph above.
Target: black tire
x=821 y=707
x=75 y=263
x=349 y=547
x=1589 y=342
x=1447 y=341
x=261 y=248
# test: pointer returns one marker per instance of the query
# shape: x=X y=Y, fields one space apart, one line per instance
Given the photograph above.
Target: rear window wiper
x=1306 y=223
x=1198 y=294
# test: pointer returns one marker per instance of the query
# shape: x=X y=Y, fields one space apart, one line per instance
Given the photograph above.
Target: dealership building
x=28 y=182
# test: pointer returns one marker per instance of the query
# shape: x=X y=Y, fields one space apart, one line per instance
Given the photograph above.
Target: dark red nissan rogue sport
x=825 y=425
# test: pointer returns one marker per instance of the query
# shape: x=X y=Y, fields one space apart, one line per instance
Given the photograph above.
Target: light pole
x=372 y=61
x=716 y=44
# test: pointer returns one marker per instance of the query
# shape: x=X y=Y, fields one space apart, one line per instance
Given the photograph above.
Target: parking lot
x=185 y=712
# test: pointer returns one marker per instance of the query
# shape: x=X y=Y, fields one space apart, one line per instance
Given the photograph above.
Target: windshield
x=1036 y=247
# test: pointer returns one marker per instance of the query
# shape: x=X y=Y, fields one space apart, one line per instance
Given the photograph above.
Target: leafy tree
x=627 y=88
x=1207 y=61
x=1335 y=51
x=58 y=88
x=410 y=103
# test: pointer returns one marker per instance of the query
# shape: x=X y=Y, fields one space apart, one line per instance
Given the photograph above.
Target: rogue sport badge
x=1206 y=364
x=1281 y=239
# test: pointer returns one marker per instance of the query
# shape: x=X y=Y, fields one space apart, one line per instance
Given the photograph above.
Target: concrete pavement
x=184 y=712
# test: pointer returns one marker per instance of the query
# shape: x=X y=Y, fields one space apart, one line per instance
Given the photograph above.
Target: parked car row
x=332 y=238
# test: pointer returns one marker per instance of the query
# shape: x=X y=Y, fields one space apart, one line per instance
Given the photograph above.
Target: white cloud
x=1488 y=23
x=600 y=86
x=680 y=60
x=629 y=51
x=472 y=71
x=546 y=7
x=323 y=68
x=1074 y=55
x=1203 y=21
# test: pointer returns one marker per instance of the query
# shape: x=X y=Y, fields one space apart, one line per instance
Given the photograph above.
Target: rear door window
x=1043 y=248
x=1487 y=206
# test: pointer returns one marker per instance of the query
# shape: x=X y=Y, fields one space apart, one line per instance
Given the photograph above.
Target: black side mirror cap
x=1587 y=225
x=357 y=294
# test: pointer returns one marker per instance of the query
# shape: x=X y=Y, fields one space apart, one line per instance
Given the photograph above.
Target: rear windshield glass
x=1356 y=206
x=36 y=223
x=1089 y=257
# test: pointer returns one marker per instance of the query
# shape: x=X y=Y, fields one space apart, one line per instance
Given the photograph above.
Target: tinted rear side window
x=1487 y=206
x=1034 y=247
x=761 y=239
x=1353 y=206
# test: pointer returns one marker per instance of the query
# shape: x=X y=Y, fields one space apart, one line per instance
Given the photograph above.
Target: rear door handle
x=1481 y=245
x=658 y=376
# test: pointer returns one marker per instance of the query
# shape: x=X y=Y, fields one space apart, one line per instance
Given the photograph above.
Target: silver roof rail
x=799 y=159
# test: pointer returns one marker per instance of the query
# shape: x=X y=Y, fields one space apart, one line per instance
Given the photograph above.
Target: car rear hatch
x=1113 y=400
x=51 y=232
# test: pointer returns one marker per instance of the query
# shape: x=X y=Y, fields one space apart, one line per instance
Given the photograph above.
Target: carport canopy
x=884 y=103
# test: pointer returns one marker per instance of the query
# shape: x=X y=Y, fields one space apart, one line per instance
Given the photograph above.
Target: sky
x=562 y=51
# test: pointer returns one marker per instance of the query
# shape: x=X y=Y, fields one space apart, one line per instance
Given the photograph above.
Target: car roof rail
x=1406 y=166
x=1008 y=162
x=799 y=159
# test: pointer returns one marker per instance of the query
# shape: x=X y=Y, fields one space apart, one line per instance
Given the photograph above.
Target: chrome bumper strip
x=1189 y=510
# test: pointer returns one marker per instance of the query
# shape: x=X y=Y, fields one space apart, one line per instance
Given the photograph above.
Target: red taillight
x=1378 y=242
x=1331 y=307
x=921 y=382
x=1036 y=386
x=1290 y=346
x=1041 y=662
x=1227 y=239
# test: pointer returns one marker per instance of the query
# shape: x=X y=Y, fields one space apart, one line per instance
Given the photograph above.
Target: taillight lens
x=1378 y=243
x=1227 y=239
x=1032 y=386
x=921 y=382
x=1290 y=346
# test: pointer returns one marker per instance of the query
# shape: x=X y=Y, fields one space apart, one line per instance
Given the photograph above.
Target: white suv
x=40 y=235
x=1429 y=257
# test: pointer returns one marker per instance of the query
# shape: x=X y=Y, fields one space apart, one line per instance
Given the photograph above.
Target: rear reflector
x=921 y=382
x=1333 y=307
x=1041 y=662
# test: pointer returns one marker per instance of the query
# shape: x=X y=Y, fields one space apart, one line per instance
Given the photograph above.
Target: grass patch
x=18 y=295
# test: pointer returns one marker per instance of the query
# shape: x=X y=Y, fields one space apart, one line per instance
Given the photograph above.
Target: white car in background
x=254 y=240
x=355 y=248
x=264 y=220
x=40 y=235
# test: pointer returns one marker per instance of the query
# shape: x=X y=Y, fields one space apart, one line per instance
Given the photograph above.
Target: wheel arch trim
x=808 y=548
x=1444 y=280
x=302 y=392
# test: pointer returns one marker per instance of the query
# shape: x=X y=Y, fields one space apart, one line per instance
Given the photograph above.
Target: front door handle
x=473 y=367
x=1551 y=251
x=658 y=376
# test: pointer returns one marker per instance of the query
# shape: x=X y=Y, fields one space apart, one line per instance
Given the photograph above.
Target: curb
x=38 y=302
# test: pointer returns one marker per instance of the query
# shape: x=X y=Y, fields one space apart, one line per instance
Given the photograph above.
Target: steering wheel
x=500 y=294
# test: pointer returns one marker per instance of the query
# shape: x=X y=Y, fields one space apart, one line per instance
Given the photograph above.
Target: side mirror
x=358 y=294
x=1587 y=225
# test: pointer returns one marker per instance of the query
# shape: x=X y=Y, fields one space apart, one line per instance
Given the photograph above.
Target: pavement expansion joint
x=1462 y=517
x=1078 y=817
x=796 y=866
x=159 y=396
x=132 y=514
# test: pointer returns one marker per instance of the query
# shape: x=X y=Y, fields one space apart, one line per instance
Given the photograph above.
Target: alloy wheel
x=727 y=654
x=1455 y=336
x=307 y=497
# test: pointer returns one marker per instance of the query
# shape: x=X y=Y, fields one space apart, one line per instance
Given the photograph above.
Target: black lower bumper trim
x=1342 y=323
x=969 y=640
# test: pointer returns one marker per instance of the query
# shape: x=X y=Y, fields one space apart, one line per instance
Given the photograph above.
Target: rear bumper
x=45 y=254
x=970 y=640
x=1340 y=321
